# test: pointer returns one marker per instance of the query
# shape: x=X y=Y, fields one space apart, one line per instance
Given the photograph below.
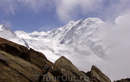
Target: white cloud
x=105 y=9
x=123 y=19
x=8 y=6
x=69 y=9
x=119 y=54
x=11 y=6
x=114 y=9
x=37 y=5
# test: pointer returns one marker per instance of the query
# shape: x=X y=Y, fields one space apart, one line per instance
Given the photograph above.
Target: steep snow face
x=59 y=33
x=82 y=36
x=6 y=32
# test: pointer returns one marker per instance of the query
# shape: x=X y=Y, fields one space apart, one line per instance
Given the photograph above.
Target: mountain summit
x=6 y=32
x=81 y=37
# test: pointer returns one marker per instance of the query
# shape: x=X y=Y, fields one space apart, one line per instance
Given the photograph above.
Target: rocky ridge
x=20 y=64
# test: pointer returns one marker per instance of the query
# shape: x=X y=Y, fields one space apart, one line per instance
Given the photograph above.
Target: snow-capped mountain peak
x=80 y=37
x=76 y=38
x=6 y=32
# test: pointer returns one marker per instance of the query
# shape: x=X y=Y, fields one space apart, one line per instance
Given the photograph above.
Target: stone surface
x=31 y=55
x=123 y=80
x=49 y=78
x=30 y=71
x=10 y=75
x=70 y=72
x=96 y=75
x=39 y=59
x=28 y=63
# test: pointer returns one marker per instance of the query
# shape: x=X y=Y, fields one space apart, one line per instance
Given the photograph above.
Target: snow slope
x=82 y=36
x=6 y=32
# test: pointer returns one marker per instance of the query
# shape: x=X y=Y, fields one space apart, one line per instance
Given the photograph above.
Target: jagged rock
x=31 y=55
x=70 y=72
x=57 y=74
x=30 y=71
x=39 y=59
x=10 y=75
x=49 y=78
x=96 y=75
x=123 y=80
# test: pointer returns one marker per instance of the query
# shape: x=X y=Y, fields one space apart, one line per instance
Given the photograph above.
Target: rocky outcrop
x=31 y=55
x=26 y=69
x=69 y=71
x=10 y=75
x=96 y=75
x=123 y=80
x=39 y=59
x=20 y=64
x=49 y=78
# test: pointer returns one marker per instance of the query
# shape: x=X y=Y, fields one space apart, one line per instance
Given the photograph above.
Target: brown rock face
x=31 y=55
x=30 y=71
x=26 y=65
x=39 y=59
x=70 y=72
x=49 y=78
x=13 y=48
x=9 y=75
x=123 y=80
x=96 y=75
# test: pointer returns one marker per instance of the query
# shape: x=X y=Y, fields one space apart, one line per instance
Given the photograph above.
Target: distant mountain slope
x=81 y=37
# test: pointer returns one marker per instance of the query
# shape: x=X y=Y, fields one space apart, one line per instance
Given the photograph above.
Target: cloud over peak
x=66 y=10
x=71 y=9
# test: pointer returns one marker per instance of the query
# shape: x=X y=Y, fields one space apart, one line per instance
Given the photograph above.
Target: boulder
x=31 y=55
x=96 y=75
x=57 y=74
x=8 y=74
x=49 y=78
x=70 y=72
x=26 y=69
x=123 y=80
x=39 y=59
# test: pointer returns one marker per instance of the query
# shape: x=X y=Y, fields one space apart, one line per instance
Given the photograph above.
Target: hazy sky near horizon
x=43 y=15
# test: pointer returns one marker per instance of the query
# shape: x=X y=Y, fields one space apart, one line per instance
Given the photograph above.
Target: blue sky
x=43 y=15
